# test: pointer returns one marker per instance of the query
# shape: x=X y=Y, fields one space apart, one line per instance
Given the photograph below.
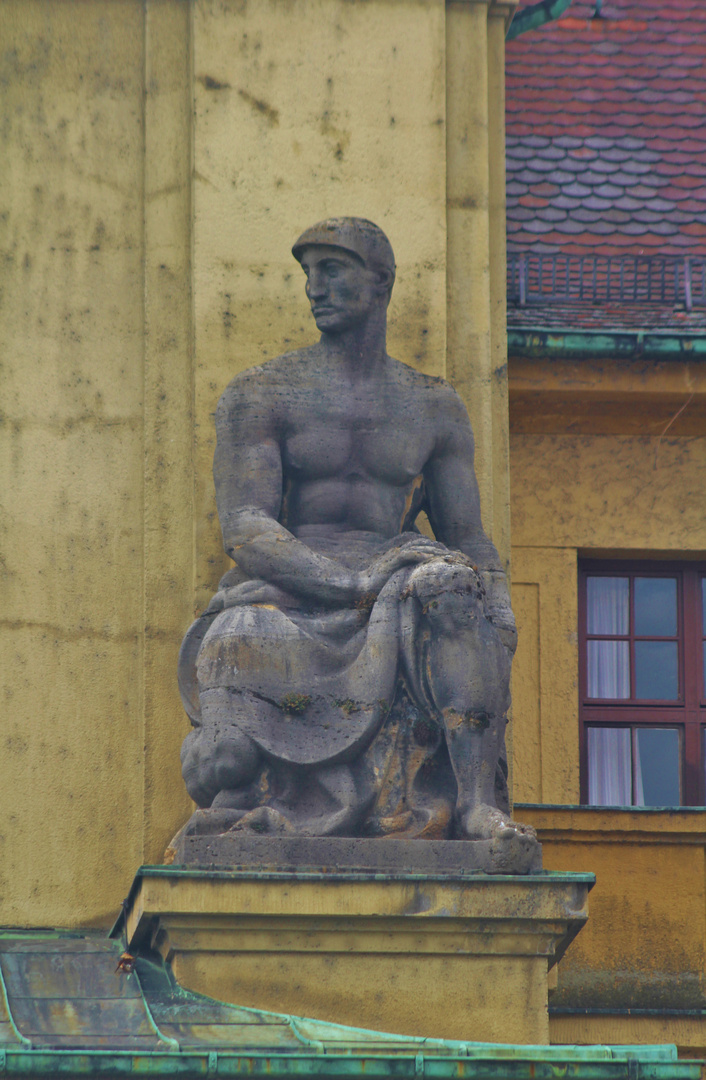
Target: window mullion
x=691 y=638
x=631 y=647
x=685 y=712
x=693 y=768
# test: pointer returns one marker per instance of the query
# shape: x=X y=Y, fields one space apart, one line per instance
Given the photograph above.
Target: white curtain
x=609 y=767
x=608 y=605
x=608 y=613
x=608 y=669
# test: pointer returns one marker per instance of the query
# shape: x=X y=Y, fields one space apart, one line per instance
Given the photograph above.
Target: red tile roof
x=581 y=316
x=606 y=131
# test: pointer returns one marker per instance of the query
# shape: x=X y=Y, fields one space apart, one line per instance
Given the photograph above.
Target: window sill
x=685 y=824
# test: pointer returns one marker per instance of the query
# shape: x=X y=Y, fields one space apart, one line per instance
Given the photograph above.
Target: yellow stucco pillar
x=468 y=360
x=168 y=412
x=303 y=111
x=159 y=158
x=476 y=263
x=475 y=221
x=498 y=17
x=71 y=458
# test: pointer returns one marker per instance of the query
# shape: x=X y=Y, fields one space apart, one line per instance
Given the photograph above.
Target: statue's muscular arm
x=453 y=503
x=248 y=477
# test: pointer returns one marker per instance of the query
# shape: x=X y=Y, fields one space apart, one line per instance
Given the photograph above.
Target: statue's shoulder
x=434 y=392
x=258 y=382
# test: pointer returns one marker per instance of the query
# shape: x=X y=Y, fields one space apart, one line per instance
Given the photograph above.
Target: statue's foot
x=265 y=821
x=483 y=822
x=207 y=822
x=212 y=821
x=430 y=822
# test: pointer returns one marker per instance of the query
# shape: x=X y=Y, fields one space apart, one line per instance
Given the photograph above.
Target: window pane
x=657 y=767
x=656 y=671
x=656 y=607
x=609 y=668
x=607 y=605
x=609 y=767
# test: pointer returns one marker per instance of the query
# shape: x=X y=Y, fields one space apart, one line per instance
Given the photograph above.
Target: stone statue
x=351 y=676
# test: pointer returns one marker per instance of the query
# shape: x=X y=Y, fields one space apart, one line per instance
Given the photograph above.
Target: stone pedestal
x=451 y=954
x=248 y=851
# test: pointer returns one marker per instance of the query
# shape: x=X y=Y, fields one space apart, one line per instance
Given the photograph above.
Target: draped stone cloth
x=340 y=693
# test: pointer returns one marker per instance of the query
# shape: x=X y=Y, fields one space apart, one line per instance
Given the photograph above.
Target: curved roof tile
x=606 y=116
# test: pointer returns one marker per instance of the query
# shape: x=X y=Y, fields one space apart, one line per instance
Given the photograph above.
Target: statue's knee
x=450 y=593
x=194 y=767
x=214 y=759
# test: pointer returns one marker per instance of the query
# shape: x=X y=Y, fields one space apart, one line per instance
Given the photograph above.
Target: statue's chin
x=333 y=323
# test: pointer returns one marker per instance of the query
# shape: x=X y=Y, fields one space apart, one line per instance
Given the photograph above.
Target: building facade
x=607 y=357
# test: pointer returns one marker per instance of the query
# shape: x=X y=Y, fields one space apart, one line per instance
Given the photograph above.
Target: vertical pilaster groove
x=468 y=364
x=168 y=410
x=143 y=568
x=475 y=217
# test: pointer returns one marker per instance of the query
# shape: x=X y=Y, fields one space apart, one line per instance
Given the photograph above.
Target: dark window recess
x=642 y=665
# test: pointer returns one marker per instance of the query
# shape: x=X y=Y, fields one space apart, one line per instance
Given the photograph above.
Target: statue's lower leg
x=474 y=743
x=220 y=766
x=469 y=676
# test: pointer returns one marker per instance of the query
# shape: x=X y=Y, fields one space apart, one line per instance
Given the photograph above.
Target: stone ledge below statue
x=245 y=850
x=462 y=955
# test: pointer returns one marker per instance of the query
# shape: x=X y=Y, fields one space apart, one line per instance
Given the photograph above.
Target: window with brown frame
x=642 y=704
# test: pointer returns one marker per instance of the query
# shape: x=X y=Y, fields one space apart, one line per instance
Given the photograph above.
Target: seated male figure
x=351 y=676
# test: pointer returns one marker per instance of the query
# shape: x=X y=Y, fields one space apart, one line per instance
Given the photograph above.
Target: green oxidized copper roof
x=65 y=1009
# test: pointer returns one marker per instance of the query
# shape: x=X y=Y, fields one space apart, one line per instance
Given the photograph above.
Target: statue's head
x=350 y=269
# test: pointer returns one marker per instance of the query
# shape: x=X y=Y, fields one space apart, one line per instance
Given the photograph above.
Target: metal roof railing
x=633 y=279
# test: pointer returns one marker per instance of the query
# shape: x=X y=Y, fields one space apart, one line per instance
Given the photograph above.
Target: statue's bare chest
x=338 y=436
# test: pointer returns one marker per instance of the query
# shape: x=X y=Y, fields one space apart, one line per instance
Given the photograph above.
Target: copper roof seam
x=166 y=1039
x=546 y=341
x=655 y=1062
x=23 y=1041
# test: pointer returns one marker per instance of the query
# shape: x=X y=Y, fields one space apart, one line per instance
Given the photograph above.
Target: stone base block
x=245 y=850
x=456 y=955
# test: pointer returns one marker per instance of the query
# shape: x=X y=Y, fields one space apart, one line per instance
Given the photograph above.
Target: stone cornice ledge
x=504 y=9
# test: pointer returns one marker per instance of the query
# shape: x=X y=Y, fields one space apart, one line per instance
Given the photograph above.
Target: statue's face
x=341 y=290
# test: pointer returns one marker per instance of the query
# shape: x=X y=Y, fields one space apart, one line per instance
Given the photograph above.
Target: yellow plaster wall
x=636 y=495
x=72 y=457
x=609 y=491
x=545 y=676
x=644 y=945
x=168 y=413
x=159 y=157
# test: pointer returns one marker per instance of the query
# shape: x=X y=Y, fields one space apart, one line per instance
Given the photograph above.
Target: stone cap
x=447 y=858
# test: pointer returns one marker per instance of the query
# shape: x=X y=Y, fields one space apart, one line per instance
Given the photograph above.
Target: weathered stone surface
x=462 y=956
x=446 y=858
x=351 y=676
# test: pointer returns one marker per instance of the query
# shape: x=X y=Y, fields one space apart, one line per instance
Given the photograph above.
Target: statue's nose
x=317 y=286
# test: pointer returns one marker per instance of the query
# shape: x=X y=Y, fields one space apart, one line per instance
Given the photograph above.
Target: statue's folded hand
x=411 y=553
